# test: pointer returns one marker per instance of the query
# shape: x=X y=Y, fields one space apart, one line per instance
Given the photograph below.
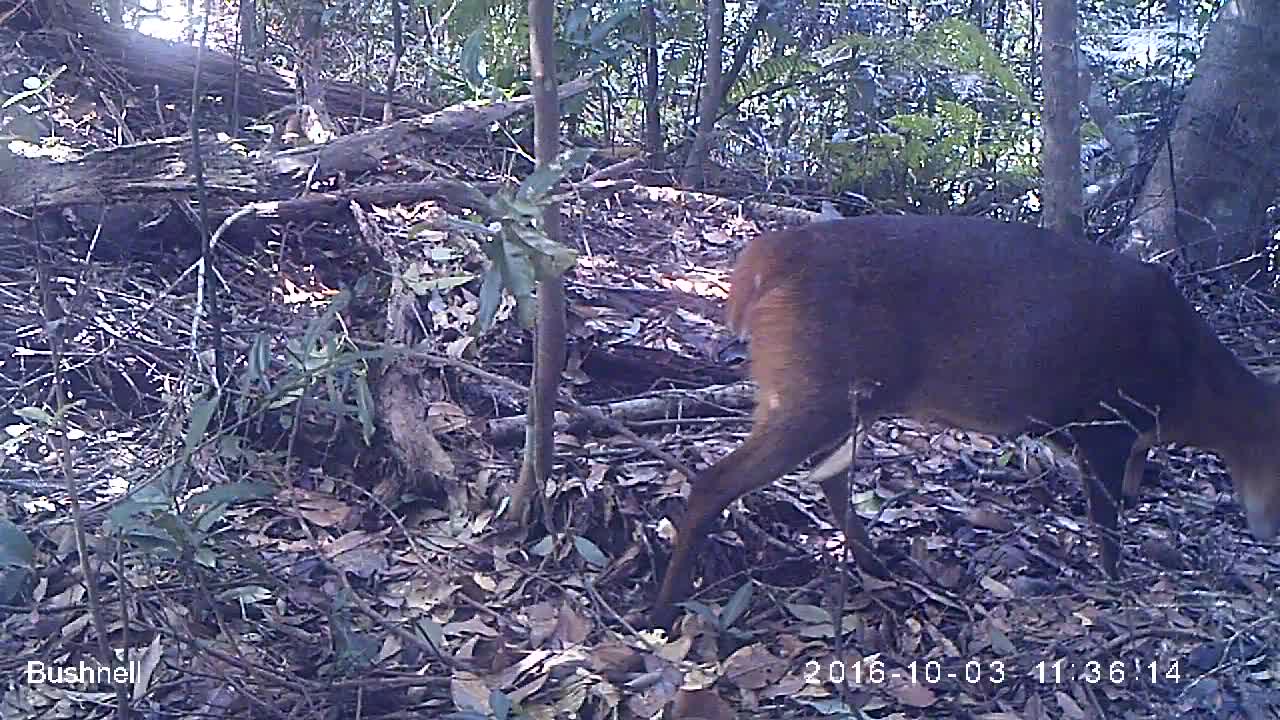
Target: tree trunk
x=653 y=143
x=250 y=38
x=1207 y=193
x=1061 y=188
x=549 y=338
x=744 y=50
x=393 y=72
x=1000 y=26
x=1123 y=141
x=313 y=114
x=695 y=164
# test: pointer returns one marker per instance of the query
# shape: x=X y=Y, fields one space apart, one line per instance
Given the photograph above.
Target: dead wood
x=330 y=205
x=401 y=391
x=369 y=149
x=706 y=201
x=126 y=173
x=673 y=404
x=72 y=30
x=138 y=171
x=647 y=367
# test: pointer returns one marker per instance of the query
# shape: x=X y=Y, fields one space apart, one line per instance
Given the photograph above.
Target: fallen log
x=671 y=404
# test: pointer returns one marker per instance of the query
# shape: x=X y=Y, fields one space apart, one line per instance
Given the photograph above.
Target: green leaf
x=260 y=359
x=364 y=409
x=589 y=552
x=544 y=178
x=424 y=287
x=443 y=254
x=575 y=20
x=16 y=549
x=205 y=521
x=321 y=324
x=480 y=229
x=472 y=50
x=45 y=84
x=737 y=605
x=538 y=183
x=701 y=610
x=770 y=72
x=185 y=537
x=198 y=423
x=598 y=34
x=543 y=547
x=229 y=493
x=35 y=415
x=13 y=583
x=489 y=301
x=522 y=210
x=354 y=648
x=575 y=158
x=550 y=258
x=518 y=276
x=809 y=613
x=958 y=45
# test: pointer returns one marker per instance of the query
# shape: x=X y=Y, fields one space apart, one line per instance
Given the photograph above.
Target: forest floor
x=354 y=586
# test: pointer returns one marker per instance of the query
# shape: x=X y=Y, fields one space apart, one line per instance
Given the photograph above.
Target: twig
x=55 y=321
x=590 y=413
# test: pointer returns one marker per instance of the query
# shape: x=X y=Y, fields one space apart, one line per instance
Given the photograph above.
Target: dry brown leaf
x=677 y=649
x=469 y=693
x=649 y=703
x=613 y=656
x=596 y=476
x=703 y=704
x=753 y=667
x=359 y=553
x=147 y=666
x=789 y=645
x=571 y=627
x=476 y=627
x=1034 y=709
x=1070 y=709
x=391 y=646
x=788 y=685
x=522 y=693
x=542 y=623
x=318 y=509
x=1000 y=642
x=995 y=587
x=989 y=520
x=716 y=236
x=445 y=417
x=532 y=659
x=913 y=694
x=419 y=593
x=1164 y=553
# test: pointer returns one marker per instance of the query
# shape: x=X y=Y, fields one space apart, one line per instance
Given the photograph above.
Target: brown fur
x=996 y=327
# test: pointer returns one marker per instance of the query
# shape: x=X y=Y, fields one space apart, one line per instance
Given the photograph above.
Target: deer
x=996 y=327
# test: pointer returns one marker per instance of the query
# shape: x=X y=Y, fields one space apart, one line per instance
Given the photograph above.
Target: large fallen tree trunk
x=147 y=62
x=141 y=171
x=126 y=173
